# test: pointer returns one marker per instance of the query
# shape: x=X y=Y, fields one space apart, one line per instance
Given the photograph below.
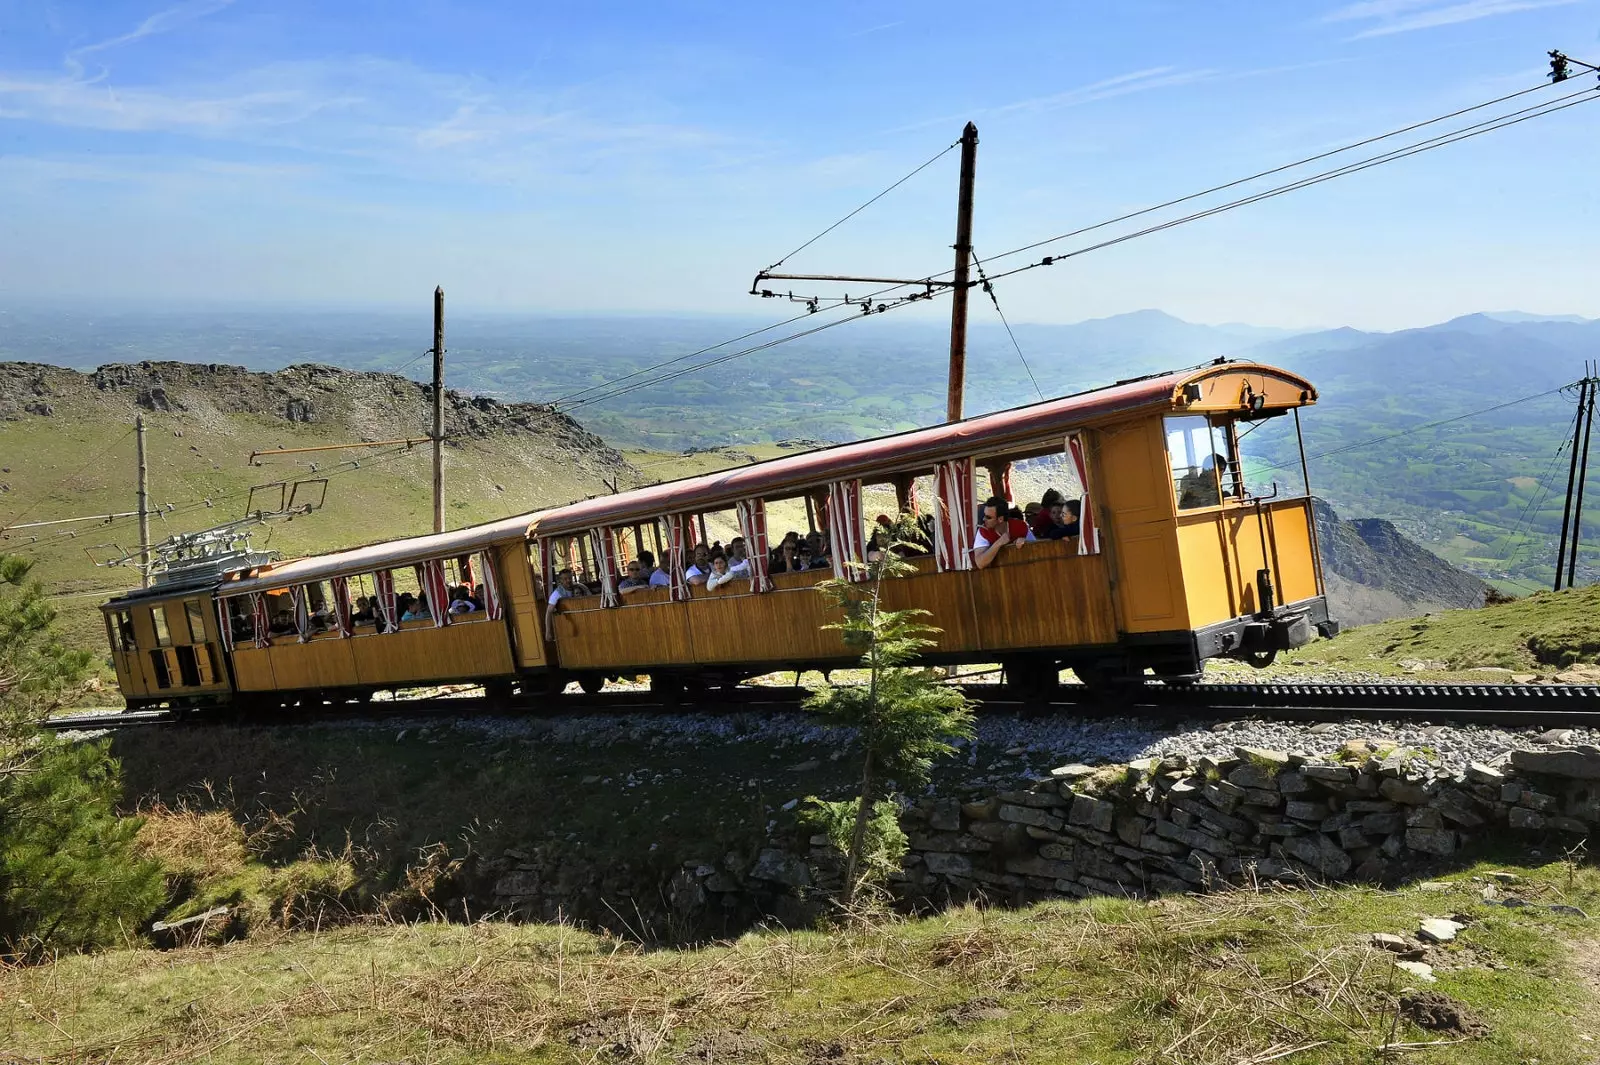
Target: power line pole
x=144 y=506
x=960 y=282
x=1572 y=479
x=1583 y=476
x=438 y=409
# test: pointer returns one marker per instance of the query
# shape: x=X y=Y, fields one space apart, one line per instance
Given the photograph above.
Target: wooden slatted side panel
x=523 y=606
x=648 y=629
x=252 y=668
x=784 y=625
x=1040 y=596
x=323 y=662
x=466 y=651
x=1289 y=526
x=947 y=597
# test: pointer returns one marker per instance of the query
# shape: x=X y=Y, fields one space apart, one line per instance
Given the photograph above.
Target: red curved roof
x=918 y=449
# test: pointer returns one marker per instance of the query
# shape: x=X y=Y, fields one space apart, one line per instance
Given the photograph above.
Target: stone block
x=1511 y=791
x=1251 y=775
x=1071 y=774
x=1181 y=817
x=1521 y=817
x=1569 y=824
x=1130 y=827
x=1110 y=887
x=1207 y=813
x=1328 y=774
x=1263 y=797
x=1424 y=817
x=1400 y=791
x=1275 y=760
x=1306 y=811
x=1212 y=765
x=1194 y=838
x=1382 y=824
x=1371 y=806
x=1457 y=806
x=1352 y=839
x=1044 y=834
x=1479 y=773
x=1535 y=800
x=1042 y=867
x=1040 y=800
x=1320 y=853
x=945 y=816
x=993 y=879
x=946 y=841
x=985 y=810
x=1339 y=821
x=1095 y=813
x=1293 y=783
x=1577 y=763
x=1155 y=844
x=1437 y=841
x=1058 y=852
x=987 y=831
x=1028 y=815
x=941 y=863
x=1283 y=830
x=1162 y=884
x=781 y=867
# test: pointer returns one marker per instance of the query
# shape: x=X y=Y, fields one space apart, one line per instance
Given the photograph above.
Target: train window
x=124 y=638
x=197 y=620
x=188 y=667
x=158 y=662
x=158 y=617
x=240 y=621
x=1199 y=455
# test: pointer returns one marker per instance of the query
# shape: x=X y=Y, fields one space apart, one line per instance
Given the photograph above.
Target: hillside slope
x=1373 y=572
x=67 y=449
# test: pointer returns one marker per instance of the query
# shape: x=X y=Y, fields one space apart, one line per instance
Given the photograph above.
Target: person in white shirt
x=721 y=574
x=562 y=590
x=701 y=569
x=738 y=560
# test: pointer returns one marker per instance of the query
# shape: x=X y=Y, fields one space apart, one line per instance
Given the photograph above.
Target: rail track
x=1506 y=705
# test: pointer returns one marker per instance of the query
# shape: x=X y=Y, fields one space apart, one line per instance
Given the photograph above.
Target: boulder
x=781 y=867
x=1578 y=763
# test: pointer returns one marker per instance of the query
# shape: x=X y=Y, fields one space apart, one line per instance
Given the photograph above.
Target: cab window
x=158 y=618
x=1198 y=453
x=194 y=612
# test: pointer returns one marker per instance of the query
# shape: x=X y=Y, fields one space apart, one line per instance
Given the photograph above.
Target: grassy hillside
x=1236 y=978
x=68 y=449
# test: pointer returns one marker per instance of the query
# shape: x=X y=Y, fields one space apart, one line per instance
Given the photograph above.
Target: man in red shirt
x=996 y=531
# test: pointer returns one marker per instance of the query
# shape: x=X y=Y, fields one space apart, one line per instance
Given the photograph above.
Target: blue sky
x=650 y=157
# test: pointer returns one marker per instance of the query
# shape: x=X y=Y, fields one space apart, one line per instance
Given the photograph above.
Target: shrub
x=71 y=876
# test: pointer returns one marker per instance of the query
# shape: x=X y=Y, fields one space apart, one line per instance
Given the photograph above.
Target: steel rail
x=1514 y=705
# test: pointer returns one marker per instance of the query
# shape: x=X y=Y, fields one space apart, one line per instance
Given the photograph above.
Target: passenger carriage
x=1176 y=562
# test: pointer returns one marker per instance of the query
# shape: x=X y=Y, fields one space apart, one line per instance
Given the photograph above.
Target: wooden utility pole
x=1572 y=479
x=438 y=410
x=144 y=506
x=1583 y=476
x=960 y=283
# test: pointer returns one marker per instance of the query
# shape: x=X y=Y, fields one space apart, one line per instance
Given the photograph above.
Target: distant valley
x=1485 y=491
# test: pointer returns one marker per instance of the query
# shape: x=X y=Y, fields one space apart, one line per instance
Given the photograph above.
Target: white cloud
x=1403 y=16
x=163 y=21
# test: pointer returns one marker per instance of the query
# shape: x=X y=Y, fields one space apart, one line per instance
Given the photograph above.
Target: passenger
x=996 y=532
x=1047 y=524
x=418 y=610
x=633 y=578
x=738 y=558
x=461 y=601
x=803 y=559
x=720 y=573
x=659 y=577
x=1200 y=489
x=1073 y=513
x=363 y=611
x=478 y=598
x=701 y=569
x=282 y=623
x=787 y=559
x=563 y=590
x=875 y=546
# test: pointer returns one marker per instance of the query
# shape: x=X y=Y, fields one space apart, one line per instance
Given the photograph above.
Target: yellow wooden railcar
x=1176 y=562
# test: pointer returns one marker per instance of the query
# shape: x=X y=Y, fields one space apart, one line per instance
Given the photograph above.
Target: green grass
x=1227 y=978
x=1540 y=634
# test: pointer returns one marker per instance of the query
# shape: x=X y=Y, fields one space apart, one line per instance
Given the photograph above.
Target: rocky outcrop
x=1375 y=573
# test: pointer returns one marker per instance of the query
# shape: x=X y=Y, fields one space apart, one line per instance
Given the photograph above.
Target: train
x=1175 y=560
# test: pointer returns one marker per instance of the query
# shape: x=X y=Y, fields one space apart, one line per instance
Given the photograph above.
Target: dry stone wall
x=1175 y=824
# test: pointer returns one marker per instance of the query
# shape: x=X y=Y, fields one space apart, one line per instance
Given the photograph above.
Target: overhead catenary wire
x=600 y=393
x=988 y=289
x=59 y=482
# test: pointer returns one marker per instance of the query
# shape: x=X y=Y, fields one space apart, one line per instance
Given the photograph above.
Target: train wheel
x=1261 y=659
x=591 y=683
x=497 y=693
x=1109 y=678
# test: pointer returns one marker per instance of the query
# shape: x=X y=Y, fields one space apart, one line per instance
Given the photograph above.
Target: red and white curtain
x=383 y=592
x=1000 y=480
x=430 y=575
x=603 y=542
x=753 y=527
x=957 y=511
x=259 y=620
x=1088 y=530
x=680 y=534
x=847 y=540
x=302 y=611
x=491 y=591
x=341 y=605
x=225 y=625
x=547 y=567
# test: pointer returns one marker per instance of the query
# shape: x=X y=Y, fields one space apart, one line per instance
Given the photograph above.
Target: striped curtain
x=341 y=605
x=847 y=539
x=491 y=590
x=1088 y=530
x=430 y=575
x=259 y=619
x=956 y=509
x=603 y=543
x=302 y=611
x=383 y=592
x=547 y=567
x=225 y=626
x=753 y=527
x=680 y=531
